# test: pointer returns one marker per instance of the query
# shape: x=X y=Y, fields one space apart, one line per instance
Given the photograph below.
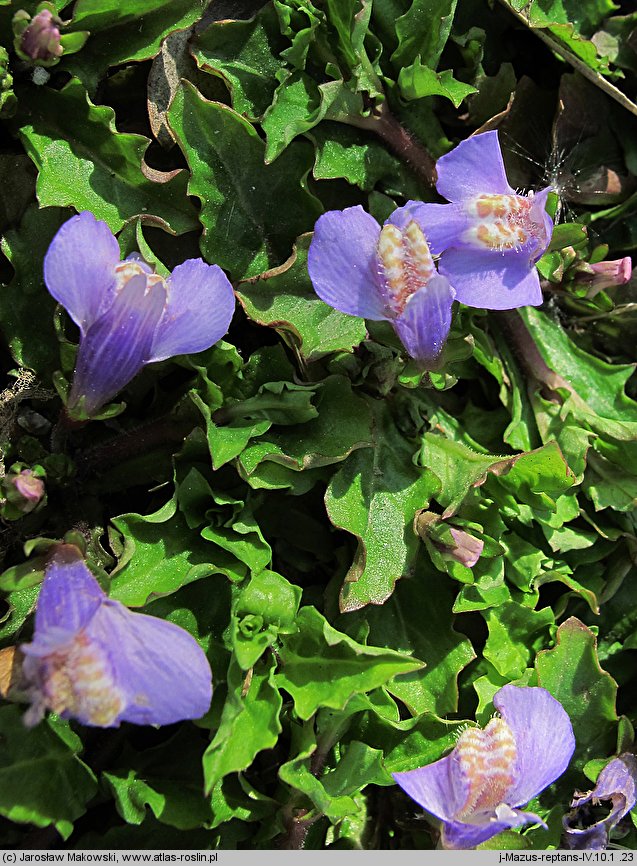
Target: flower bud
x=23 y=490
x=447 y=539
x=467 y=549
x=604 y=275
x=40 y=39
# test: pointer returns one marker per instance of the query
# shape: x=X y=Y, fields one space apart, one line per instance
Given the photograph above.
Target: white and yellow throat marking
x=487 y=764
x=405 y=262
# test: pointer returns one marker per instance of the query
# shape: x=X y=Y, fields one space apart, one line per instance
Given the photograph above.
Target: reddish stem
x=402 y=142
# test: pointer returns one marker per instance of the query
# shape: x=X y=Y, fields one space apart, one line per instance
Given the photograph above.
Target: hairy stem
x=404 y=145
x=132 y=443
x=528 y=355
x=296 y=820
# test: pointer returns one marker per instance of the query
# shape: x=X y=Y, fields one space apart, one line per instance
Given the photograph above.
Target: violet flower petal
x=424 y=324
x=460 y=836
x=342 y=263
x=159 y=667
x=198 y=311
x=79 y=268
x=68 y=598
x=94 y=660
x=594 y=838
x=541 y=216
x=117 y=345
x=442 y=224
x=439 y=787
x=618 y=783
x=490 y=280
x=473 y=168
x=543 y=737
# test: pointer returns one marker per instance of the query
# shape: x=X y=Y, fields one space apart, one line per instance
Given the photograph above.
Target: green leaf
x=67 y=136
x=343 y=425
x=167 y=779
x=285 y=300
x=583 y=49
x=266 y=608
x=26 y=308
x=303 y=24
x=19 y=604
x=42 y=780
x=457 y=467
x=331 y=794
x=407 y=744
x=572 y=674
x=567 y=235
x=427 y=633
x=358 y=767
x=322 y=667
x=593 y=389
x=534 y=478
x=375 y=497
x=516 y=633
x=235 y=797
x=488 y=590
x=423 y=32
x=249 y=722
x=417 y=81
x=125 y=32
x=584 y=15
x=300 y=104
x=222 y=364
x=246 y=55
x=611 y=483
x=159 y=555
x=241 y=537
x=342 y=151
x=225 y=156
x=613 y=40
x=282 y=403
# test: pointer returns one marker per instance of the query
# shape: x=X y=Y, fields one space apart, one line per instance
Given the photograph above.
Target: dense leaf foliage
x=288 y=496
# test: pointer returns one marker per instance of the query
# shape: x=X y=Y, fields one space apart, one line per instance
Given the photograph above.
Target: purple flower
x=385 y=273
x=489 y=237
x=617 y=783
x=477 y=789
x=94 y=660
x=128 y=316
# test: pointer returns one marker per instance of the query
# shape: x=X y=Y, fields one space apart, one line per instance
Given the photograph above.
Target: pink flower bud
x=41 y=39
x=603 y=275
x=24 y=491
x=449 y=540
x=467 y=550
